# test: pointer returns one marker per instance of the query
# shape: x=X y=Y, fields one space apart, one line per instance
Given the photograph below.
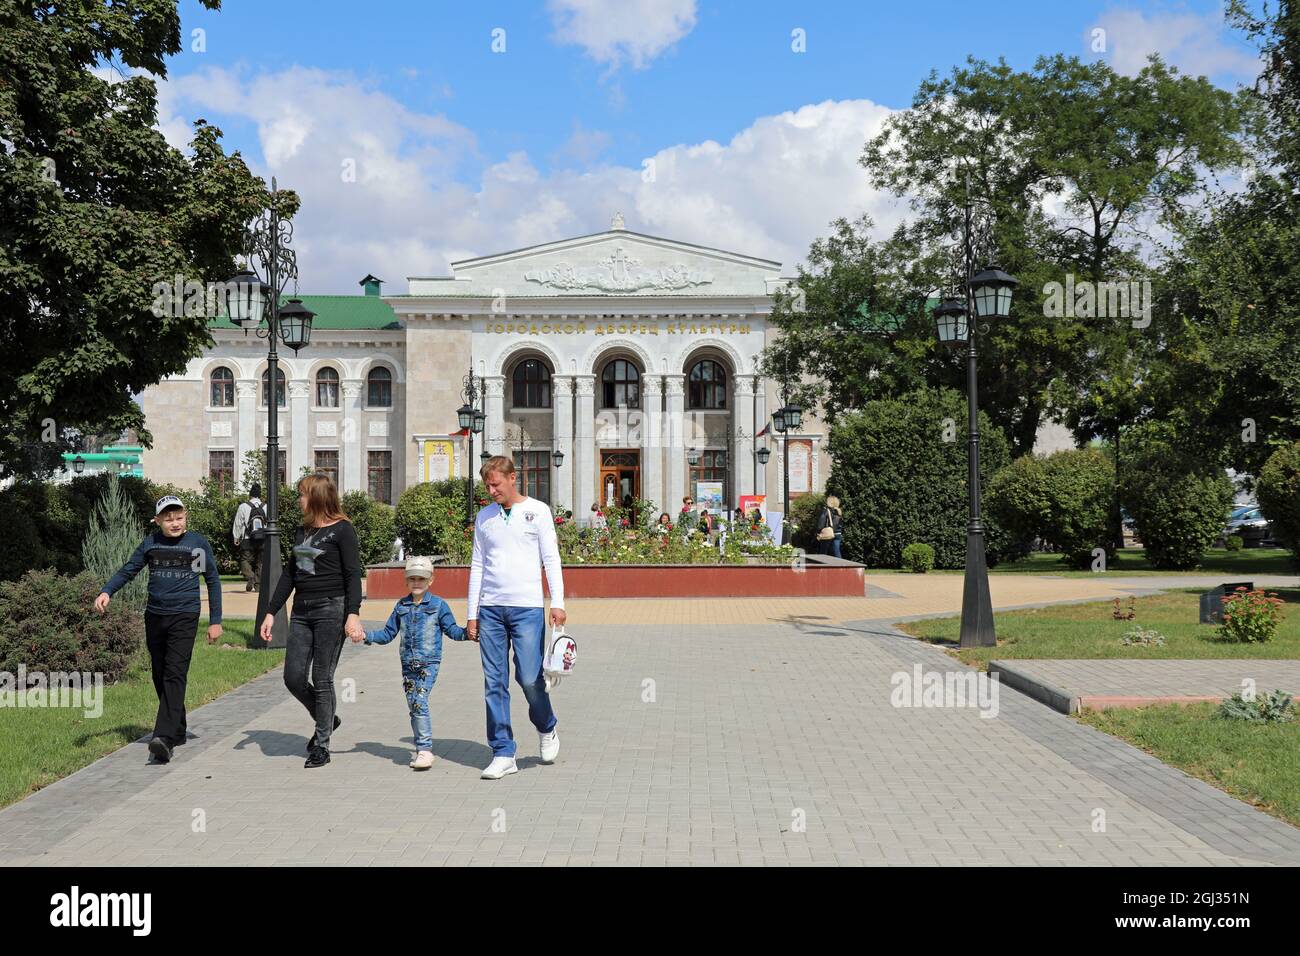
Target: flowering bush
x=1250 y=616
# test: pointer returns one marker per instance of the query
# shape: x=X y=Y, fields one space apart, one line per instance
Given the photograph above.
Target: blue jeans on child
x=418 y=678
x=524 y=628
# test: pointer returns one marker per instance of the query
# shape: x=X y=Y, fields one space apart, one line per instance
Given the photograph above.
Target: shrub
x=431 y=518
x=1276 y=707
x=1251 y=617
x=375 y=523
x=1143 y=637
x=1064 y=498
x=1234 y=542
x=47 y=623
x=1178 y=503
x=23 y=549
x=803 y=512
x=918 y=558
x=1278 y=494
x=899 y=481
x=112 y=537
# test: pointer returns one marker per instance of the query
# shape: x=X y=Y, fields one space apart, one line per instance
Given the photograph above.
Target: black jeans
x=170 y=639
x=314 y=644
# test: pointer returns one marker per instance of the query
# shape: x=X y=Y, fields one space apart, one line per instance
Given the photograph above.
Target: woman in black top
x=325 y=576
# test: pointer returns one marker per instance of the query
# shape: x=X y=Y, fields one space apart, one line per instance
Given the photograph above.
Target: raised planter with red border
x=387 y=581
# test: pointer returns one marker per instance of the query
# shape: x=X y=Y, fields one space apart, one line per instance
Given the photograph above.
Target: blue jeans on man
x=524 y=629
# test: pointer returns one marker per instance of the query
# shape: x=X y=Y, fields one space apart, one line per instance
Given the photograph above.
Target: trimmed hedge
x=1278 y=493
x=900 y=482
x=1179 y=503
x=431 y=518
x=1064 y=498
x=47 y=623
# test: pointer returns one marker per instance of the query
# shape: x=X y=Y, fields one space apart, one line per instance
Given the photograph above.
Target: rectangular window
x=535 y=474
x=327 y=463
x=379 y=476
x=221 y=468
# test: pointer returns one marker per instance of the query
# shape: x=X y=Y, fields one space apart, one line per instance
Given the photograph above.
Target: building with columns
x=631 y=354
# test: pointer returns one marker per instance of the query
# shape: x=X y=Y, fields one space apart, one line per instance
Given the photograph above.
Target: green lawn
x=1133 y=561
x=1088 y=631
x=41 y=745
x=1255 y=762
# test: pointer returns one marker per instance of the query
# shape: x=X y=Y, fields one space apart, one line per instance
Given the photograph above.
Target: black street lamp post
x=252 y=303
x=786 y=420
x=471 y=417
x=986 y=296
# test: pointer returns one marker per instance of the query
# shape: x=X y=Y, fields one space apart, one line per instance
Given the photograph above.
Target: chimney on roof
x=371 y=284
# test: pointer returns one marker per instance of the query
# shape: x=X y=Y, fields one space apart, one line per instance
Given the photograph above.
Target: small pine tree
x=113 y=535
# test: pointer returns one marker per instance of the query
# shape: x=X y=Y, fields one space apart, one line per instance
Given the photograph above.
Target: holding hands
x=353 y=629
x=471 y=629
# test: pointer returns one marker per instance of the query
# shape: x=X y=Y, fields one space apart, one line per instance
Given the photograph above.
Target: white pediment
x=616 y=262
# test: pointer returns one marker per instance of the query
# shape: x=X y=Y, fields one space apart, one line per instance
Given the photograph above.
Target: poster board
x=439 y=459
x=708 y=494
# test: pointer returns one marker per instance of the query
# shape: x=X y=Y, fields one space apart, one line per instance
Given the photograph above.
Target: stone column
x=352 y=465
x=299 y=439
x=584 y=440
x=652 y=449
x=562 y=428
x=494 y=427
x=675 y=429
x=742 y=421
x=246 y=441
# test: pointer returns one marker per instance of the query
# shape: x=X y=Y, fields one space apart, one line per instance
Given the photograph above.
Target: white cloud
x=1202 y=45
x=423 y=196
x=614 y=31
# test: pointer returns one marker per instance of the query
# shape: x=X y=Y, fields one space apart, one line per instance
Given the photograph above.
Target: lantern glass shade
x=295 y=324
x=246 y=297
x=763 y=455
x=557 y=456
x=793 y=417
x=693 y=456
x=479 y=419
x=992 y=290
x=950 y=322
x=778 y=419
x=483 y=456
x=465 y=416
x=78 y=464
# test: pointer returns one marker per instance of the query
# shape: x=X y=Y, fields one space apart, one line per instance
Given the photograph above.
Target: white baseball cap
x=419 y=567
x=165 y=502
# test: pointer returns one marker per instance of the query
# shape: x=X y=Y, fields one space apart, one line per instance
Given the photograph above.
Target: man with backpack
x=249 y=533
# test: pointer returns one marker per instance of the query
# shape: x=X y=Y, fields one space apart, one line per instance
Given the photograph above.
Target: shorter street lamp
x=787 y=418
x=763 y=454
x=692 y=456
x=557 y=457
x=78 y=464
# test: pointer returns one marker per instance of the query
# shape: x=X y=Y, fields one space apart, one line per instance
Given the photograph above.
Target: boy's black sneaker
x=319 y=758
x=311 y=741
x=161 y=750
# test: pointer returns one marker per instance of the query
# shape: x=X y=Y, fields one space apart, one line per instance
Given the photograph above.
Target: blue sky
x=457 y=150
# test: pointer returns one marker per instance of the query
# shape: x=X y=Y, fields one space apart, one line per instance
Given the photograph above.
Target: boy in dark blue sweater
x=175 y=558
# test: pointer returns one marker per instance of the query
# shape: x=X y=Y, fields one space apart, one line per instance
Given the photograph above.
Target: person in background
x=249 y=532
x=830 y=527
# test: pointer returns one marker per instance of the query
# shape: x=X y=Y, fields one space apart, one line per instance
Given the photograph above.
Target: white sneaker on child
x=499 y=767
x=422 y=760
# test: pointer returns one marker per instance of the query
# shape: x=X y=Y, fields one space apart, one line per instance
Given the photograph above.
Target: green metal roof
x=339 y=312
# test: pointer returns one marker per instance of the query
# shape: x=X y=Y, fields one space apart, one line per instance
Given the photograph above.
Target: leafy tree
x=95 y=209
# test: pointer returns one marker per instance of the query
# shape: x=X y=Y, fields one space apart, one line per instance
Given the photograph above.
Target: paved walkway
x=704 y=742
x=1073 y=685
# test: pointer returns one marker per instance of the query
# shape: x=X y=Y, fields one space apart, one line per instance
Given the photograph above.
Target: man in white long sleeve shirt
x=514 y=538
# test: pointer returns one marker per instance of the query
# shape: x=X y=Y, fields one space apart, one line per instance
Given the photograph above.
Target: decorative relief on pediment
x=619 y=273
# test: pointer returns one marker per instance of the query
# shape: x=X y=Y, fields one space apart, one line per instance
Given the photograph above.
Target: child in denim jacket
x=420 y=620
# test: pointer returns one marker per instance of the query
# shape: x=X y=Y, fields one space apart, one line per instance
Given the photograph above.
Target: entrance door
x=620 y=475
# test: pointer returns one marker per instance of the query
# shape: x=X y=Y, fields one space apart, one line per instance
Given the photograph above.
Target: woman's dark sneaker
x=319 y=758
x=161 y=750
x=311 y=741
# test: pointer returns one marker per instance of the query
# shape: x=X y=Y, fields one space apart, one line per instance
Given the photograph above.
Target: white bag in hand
x=560 y=658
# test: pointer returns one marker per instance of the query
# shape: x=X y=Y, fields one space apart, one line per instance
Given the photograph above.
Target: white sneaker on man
x=550 y=746
x=498 y=768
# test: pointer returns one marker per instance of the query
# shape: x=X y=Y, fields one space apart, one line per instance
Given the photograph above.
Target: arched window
x=223 y=387
x=532 y=384
x=707 y=385
x=379 y=388
x=327 y=388
x=621 y=384
x=279 y=387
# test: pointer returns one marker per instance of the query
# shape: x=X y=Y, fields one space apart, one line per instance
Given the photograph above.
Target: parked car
x=1251 y=525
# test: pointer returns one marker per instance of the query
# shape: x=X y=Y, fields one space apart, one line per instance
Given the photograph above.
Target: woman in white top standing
x=514 y=538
